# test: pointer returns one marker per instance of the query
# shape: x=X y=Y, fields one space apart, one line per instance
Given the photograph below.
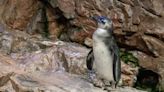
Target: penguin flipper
x=90 y=60
x=116 y=62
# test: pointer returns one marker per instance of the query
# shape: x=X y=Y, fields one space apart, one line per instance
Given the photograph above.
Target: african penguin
x=105 y=53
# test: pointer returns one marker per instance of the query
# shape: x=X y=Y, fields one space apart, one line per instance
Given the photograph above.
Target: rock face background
x=138 y=26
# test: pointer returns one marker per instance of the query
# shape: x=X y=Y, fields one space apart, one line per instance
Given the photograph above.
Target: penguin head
x=103 y=22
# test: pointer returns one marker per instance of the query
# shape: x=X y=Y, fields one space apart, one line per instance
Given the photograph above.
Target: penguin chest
x=103 y=61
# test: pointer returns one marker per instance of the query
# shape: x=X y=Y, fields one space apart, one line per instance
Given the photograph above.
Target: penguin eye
x=103 y=21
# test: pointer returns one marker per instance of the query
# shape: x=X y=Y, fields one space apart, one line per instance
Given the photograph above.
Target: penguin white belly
x=103 y=60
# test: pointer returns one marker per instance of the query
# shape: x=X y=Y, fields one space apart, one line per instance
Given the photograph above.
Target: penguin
x=104 y=57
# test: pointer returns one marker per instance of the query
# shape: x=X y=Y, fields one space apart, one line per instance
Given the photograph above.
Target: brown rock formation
x=138 y=24
x=50 y=70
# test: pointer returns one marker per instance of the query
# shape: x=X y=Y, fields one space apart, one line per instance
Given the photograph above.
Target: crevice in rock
x=125 y=3
x=46 y=31
x=147 y=79
x=152 y=12
x=15 y=86
x=5 y=79
x=56 y=12
x=155 y=35
x=59 y=17
x=38 y=23
x=129 y=33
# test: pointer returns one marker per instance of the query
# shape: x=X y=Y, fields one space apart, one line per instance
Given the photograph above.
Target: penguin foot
x=107 y=83
x=110 y=86
x=114 y=85
x=98 y=83
x=93 y=78
x=91 y=75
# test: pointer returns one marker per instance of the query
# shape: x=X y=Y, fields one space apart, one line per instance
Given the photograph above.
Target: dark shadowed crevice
x=56 y=12
x=59 y=17
x=148 y=80
x=46 y=32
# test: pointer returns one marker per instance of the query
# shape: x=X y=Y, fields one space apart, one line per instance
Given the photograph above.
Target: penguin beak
x=94 y=18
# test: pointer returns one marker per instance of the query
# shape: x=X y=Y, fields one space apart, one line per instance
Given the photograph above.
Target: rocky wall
x=138 y=24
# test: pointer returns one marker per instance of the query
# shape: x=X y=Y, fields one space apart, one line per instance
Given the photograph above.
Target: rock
x=51 y=82
x=128 y=10
x=8 y=68
x=85 y=29
x=154 y=45
x=14 y=78
x=23 y=42
x=154 y=7
x=6 y=40
x=7 y=87
x=160 y=67
x=54 y=30
x=52 y=69
x=69 y=57
x=129 y=74
x=145 y=61
x=19 y=42
x=127 y=89
x=38 y=22
x=62 y=56
x=136 y=15
x=67 y=7
x=129 y=2
x=88 y=42
x=16 y=13
x=150 y=74
x=2 y=28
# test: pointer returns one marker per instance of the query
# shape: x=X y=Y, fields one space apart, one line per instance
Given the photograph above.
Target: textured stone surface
x=49 y=70
x=18 y=42
x=138 y=25
x=133 y=20
x=15 y=79
x=129 y=73
x=62 y=56
x=17 y=13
